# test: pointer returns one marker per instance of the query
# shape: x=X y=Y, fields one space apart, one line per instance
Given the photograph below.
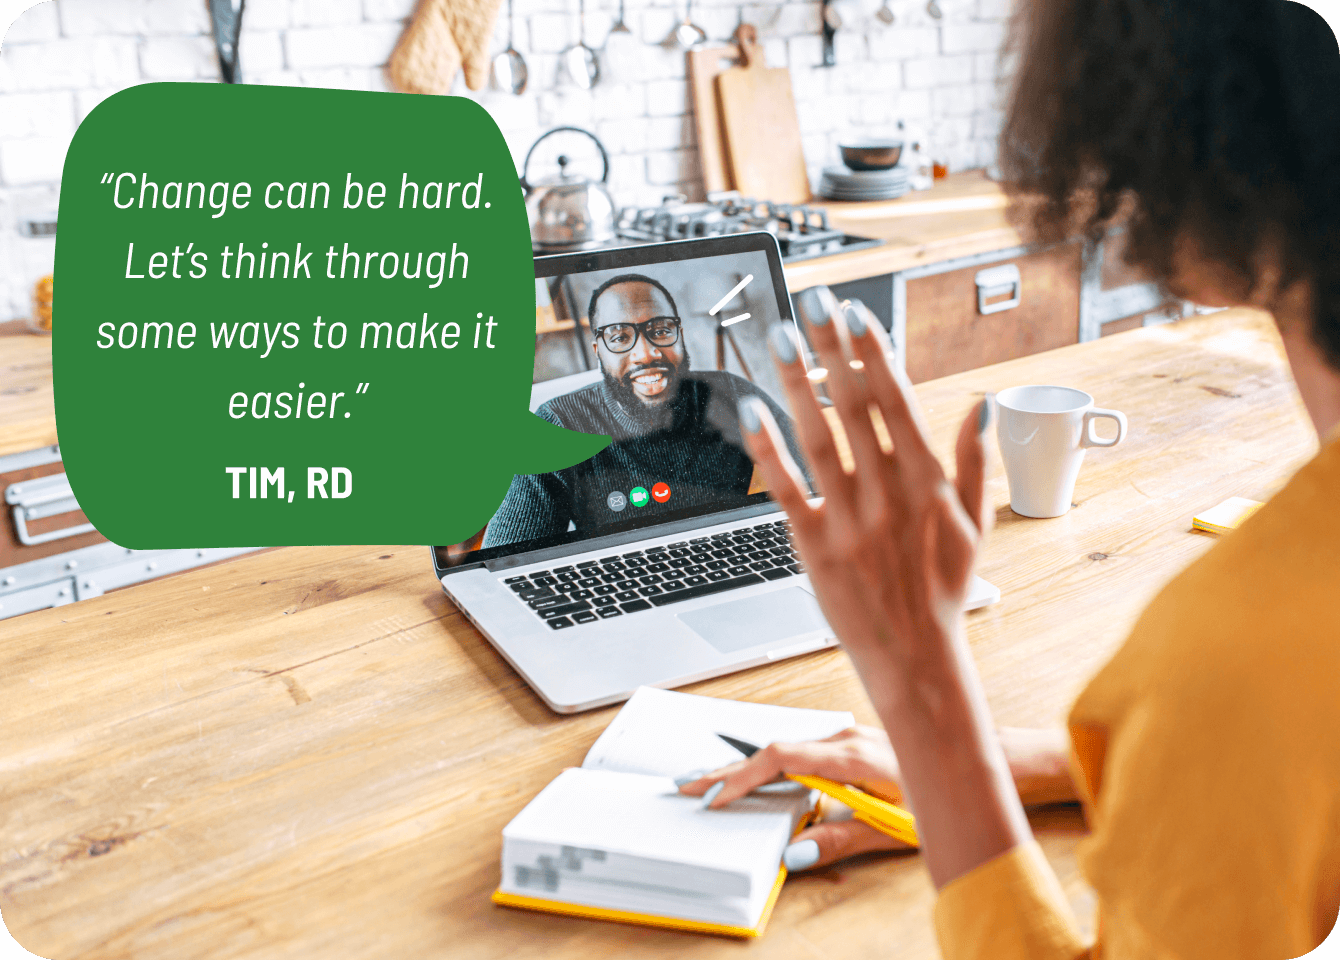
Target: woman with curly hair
x=1207 y=752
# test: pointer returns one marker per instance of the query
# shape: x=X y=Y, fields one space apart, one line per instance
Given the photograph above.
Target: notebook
x=614 y=839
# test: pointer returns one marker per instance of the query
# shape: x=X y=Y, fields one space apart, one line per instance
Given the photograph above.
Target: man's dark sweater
x=693 y=444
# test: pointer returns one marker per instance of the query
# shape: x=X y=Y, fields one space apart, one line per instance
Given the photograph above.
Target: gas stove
x=803 y=232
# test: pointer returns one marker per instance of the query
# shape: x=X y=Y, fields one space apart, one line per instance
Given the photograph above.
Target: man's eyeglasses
x=622 y=337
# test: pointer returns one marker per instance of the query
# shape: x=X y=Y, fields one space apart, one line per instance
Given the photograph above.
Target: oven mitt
x=444 y=36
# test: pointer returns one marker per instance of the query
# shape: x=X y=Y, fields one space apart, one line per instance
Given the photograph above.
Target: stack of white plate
x=840 y=183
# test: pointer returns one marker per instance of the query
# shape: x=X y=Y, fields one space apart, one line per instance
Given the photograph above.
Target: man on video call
x=670 y=425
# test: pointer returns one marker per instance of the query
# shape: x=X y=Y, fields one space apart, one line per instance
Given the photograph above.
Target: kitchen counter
x=311 y=753
x=27 y=407
x=960 y=216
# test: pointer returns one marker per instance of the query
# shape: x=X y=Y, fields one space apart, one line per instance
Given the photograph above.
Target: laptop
x=661 y=561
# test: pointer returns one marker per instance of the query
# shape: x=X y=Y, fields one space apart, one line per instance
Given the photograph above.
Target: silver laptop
x=660 y=561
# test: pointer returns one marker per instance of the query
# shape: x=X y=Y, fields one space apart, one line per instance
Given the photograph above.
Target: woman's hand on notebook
x=860 y=756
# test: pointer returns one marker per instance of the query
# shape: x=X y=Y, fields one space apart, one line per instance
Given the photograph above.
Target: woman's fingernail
x=749 y=417
x=689 y=777
x=814 y=307
x=984 y=417
x=783 y=344
x=712 y=792
x=855 y=318
x=801 y=855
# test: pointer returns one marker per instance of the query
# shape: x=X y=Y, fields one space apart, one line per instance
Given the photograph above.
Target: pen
x=885 y=817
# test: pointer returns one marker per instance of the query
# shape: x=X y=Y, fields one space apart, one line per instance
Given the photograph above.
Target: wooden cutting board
x=705 y=65
x=762 y=133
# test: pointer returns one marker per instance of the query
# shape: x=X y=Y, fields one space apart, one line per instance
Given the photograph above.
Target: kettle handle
x=604 y=156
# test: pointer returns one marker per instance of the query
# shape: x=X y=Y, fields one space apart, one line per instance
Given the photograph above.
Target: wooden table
x=310 y=753
x=27 y=410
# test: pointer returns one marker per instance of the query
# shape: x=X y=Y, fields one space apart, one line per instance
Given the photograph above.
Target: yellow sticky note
x=1225 y=516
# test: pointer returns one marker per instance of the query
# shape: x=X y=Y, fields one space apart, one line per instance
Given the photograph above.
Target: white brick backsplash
x=616 y=101
x=345 y=78
x=550 y=32
x=40 y=22
x=266 y=15
x=653 y=26
x=987 y=124
x=625 y=136
x=671 y=167
x=377 y=10
x=25 y=115
x=805 y=51
x=670 y=133
x=898 y=42
x=260 y=52
x=775 y=52
x=323 y=13
x=367 y=45
x=178 y=58
x=173 y=16
x=658 y=62
x=849 y=46
x=937 y=71
x=70 y=64
x=971 y=37
x=797 y=19
x=92 y=18
x=914 y=103
x=952 y=101
x=85 y=100
x=988 y=96
x=277 y=78
x=31 y=160
x=995 y=9
x=569 y=107
x=667 y=98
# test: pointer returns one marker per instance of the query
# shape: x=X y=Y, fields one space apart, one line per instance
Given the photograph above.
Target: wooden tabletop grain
x=310 y=753
x=27 y=410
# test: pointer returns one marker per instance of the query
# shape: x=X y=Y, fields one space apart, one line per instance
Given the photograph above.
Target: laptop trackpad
x=769 y=617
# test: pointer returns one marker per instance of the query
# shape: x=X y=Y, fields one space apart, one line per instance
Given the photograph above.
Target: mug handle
x=1091 y=439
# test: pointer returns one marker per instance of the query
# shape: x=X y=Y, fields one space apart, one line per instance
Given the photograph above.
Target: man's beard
x=650 y=415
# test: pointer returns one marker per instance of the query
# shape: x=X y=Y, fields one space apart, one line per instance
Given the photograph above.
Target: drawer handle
x=40 y=498
x=996 y=281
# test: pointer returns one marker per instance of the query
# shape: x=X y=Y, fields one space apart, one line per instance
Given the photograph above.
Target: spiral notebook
x=615 y=840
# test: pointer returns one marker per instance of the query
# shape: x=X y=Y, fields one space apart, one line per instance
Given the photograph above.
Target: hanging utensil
x=885 y=14
x=509 y=67
x=622 y=59
x=226 y=18
x=688 y=34
x=933 y=8
x=583 y=62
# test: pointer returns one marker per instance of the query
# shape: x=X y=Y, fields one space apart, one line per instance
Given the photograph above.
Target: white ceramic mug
x=1043 y=432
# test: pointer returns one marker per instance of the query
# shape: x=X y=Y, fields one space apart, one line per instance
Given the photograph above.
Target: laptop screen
x=655 y=346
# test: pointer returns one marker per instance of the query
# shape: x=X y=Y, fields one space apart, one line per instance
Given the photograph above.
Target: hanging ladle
x=885 y=14
x=582 y=61
x=509 y=67
x=688 y=33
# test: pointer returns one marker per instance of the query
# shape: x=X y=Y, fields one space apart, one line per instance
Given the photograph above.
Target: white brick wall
x=63 y=57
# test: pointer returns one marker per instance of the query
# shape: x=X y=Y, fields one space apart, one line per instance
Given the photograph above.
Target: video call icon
x=616 y=501
x=660 y=492
x=639 y=496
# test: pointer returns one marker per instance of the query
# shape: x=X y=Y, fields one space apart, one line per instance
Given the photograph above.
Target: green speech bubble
x=334 y=284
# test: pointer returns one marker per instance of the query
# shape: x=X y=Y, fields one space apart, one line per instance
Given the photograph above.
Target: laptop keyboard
x=643 y=579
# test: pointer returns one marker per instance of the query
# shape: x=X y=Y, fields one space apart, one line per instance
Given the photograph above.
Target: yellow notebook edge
x=502 y=898
x=562 y=907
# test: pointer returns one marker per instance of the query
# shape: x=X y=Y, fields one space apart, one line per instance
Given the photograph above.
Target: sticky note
x=1226 y=516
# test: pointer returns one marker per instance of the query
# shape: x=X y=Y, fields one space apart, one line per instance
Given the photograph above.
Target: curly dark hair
x=1213 y=122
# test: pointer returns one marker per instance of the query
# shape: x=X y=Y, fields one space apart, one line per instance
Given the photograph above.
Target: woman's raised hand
x=890 y=548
